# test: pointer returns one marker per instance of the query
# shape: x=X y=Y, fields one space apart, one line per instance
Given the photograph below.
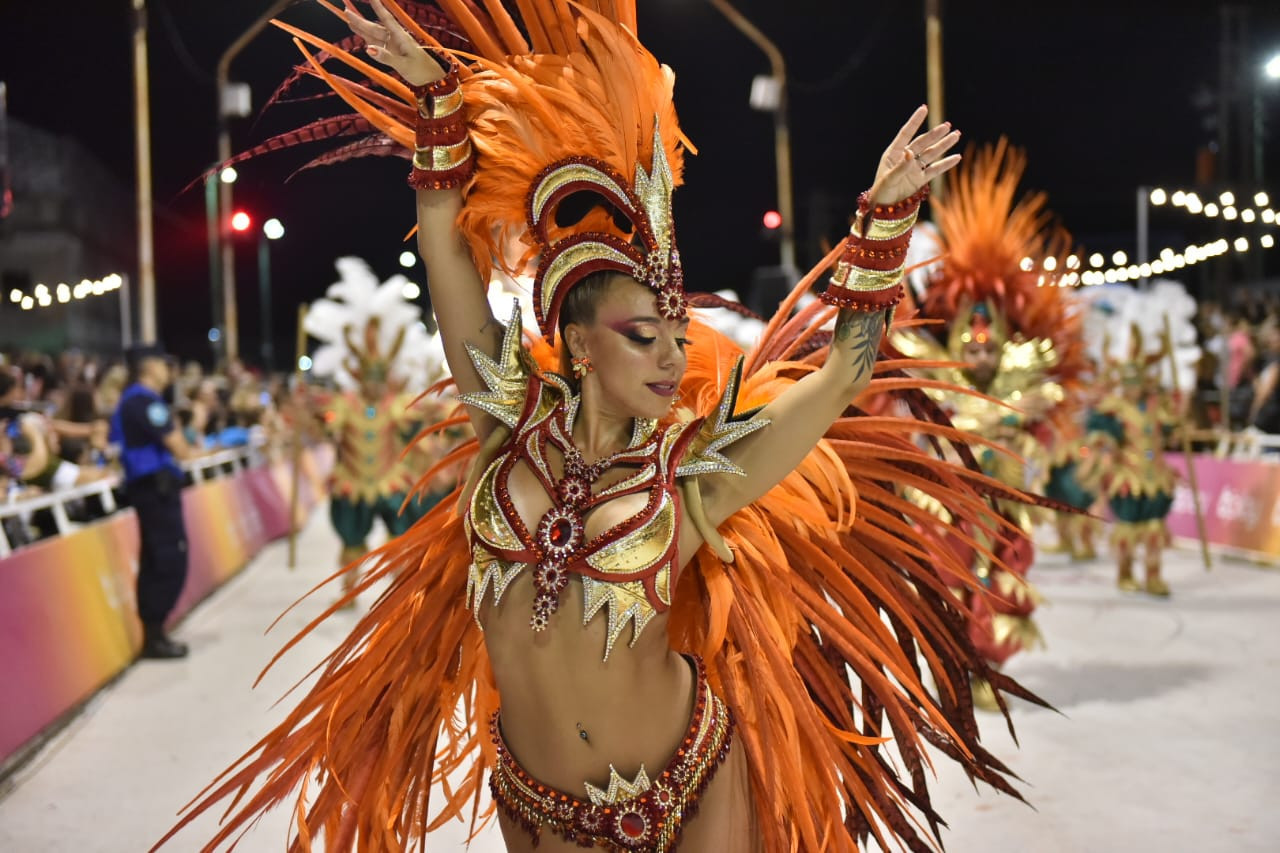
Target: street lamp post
x=142 y=152
x=1270 y=74
x=781 y=130
x=231 y=332
x=213 y=228
x=1144 y=230
x=933 y=74
x=272 y=229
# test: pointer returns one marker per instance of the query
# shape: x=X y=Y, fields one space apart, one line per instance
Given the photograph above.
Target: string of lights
x=1225 y=205
x=44 y=296
x=1122 y=271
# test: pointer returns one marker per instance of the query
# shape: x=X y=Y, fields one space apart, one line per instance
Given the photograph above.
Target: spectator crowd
x=1239 y=377
x=55 y=425
x=55 y=412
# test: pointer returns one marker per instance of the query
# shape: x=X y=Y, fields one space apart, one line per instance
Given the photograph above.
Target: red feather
x=428 y=17
x=379 y=145
x=316 y=131
x=711 y=300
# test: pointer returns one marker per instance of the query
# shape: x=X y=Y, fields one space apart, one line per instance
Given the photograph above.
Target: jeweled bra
x=627 y=570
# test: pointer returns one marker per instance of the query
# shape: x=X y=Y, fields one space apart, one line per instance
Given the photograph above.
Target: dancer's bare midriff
x=567 y=714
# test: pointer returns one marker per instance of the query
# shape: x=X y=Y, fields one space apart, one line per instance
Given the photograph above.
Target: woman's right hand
x=389 y=43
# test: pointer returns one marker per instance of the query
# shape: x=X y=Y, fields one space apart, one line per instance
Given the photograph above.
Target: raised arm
x=458 y=296
x=37 y=458
x=866 y=286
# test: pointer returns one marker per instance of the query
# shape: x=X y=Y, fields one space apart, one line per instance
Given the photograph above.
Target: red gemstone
x=560 y=532
x=632 y=825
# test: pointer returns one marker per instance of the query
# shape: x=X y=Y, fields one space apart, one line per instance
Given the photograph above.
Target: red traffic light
x=240 y=221
x=773 y=220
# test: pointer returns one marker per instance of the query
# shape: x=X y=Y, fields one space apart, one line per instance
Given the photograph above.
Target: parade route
x=1164 y=739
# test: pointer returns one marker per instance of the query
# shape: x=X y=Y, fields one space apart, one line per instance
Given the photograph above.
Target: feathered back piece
x=367 y=327
x=579 y=112
x=1129 y=332
x=988 y=234
x=823 y=635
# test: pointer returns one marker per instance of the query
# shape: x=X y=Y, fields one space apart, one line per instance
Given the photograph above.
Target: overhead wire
x=855 y=60
x=179 y=46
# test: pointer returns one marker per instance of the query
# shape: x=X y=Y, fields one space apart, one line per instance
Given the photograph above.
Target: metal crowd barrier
x=220 y=463
x=1239 y=445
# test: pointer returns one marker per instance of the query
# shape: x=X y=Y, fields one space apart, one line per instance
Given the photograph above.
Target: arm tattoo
x=858 y=333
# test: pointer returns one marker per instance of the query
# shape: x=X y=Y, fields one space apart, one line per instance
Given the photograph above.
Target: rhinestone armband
x=443 y=158
x=869 y=274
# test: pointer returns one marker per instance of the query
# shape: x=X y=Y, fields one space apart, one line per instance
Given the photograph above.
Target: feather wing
x=825 y=631
x=397 y=709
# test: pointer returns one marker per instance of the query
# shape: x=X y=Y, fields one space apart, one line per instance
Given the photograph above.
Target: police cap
x=138 y=352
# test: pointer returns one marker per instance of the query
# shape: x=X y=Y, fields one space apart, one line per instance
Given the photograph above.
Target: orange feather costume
x=1004 y=278
x=833 y=571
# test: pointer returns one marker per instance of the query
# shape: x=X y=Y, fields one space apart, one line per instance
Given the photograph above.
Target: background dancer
x=375 y=346
x=1015 y=343
x=1137 y=335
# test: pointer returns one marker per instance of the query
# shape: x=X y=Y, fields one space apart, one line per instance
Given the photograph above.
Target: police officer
x=151 y=446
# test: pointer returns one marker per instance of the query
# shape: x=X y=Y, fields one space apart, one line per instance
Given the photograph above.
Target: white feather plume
x=1113 y=311
x=350 y=303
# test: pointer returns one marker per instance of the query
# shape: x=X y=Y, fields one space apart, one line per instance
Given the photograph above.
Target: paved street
x=1165 y=740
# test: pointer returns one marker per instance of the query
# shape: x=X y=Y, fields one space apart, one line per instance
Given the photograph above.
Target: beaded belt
x=641 y=814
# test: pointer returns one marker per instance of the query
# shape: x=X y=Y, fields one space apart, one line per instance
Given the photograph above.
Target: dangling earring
x=581 y=366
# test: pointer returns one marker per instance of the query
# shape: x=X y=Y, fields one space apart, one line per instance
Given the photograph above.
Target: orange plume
x=1006 y=251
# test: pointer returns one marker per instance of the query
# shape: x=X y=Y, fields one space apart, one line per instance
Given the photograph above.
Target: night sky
x=1103 y=96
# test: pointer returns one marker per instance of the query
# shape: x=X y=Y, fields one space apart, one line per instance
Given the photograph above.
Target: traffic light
x=240 y=221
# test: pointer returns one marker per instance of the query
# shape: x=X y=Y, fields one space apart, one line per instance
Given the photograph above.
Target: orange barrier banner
x=68 y=618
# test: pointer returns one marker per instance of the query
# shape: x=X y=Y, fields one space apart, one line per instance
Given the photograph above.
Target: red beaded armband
x=869 y=274
x=899 y=210
x=869 y=301
x=443 y=157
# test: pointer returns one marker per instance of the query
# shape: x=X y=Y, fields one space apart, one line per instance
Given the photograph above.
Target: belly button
x=582 y=733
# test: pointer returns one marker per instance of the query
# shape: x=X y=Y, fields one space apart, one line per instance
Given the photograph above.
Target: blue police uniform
x=153 y=483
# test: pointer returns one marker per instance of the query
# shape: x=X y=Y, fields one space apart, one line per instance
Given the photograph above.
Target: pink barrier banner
x=68 y=621
x=270 y=506
x=1240 y=500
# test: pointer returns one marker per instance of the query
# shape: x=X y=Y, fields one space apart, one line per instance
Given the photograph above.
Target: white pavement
x=1166 y=740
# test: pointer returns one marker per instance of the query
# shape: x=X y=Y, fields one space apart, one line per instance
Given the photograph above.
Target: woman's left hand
x=912 y=161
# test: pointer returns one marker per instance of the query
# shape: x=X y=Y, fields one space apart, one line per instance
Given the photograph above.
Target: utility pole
x=934 y=73
x=6 y=192
x=142 y=146
x=781 y=131
x=228 y=107
x=213 y=229
x=1228 y=165
x=1239 y=126
x=1144 y=232
x=1226 y=93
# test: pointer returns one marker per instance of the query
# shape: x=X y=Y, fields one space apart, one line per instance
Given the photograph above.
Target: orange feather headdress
x=577 y=111
x=1004 y=255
